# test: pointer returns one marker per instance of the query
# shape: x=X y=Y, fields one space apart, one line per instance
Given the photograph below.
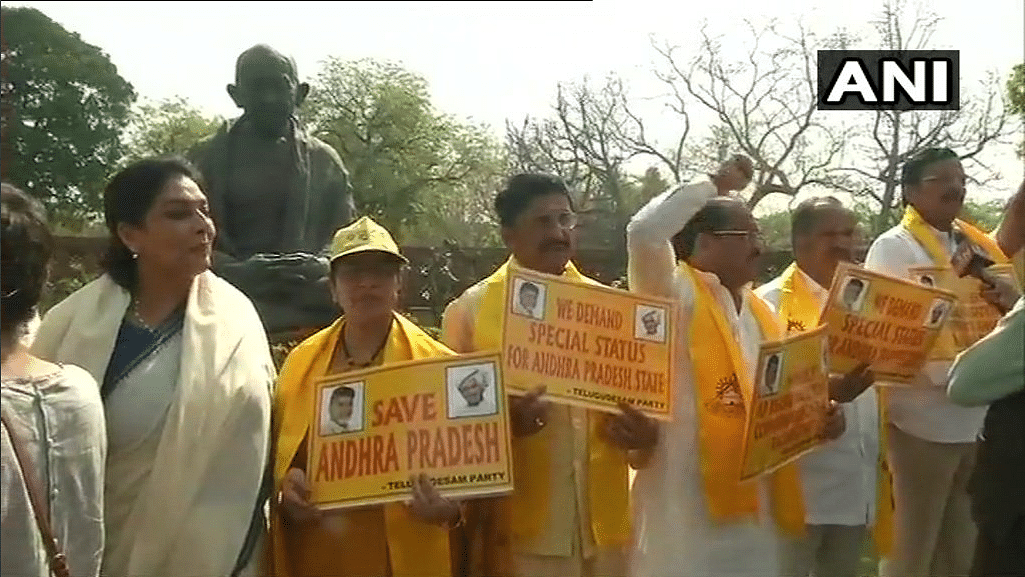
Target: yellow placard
x=591 y=345
x=789 y=402
x=888 y=322
x=445 y=417
x=972 y=317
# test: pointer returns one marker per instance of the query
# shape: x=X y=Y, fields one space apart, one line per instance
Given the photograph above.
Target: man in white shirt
x=339 y=412
x=688 y=523
x=840 y=477
x=931 y=441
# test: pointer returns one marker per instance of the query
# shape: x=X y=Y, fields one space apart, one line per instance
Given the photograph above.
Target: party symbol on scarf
x=728 y=400
x=795 y=325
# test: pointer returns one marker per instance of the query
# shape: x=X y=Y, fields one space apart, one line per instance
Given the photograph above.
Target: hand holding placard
x=295 y=498
x=846 y=388
x=887 y=322
x=429 y=505
x=631 y=430
x=528 y=413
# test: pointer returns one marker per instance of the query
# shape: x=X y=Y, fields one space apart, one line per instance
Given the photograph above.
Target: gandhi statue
x=277 y=195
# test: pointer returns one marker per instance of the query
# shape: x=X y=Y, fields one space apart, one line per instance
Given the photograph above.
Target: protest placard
x=972 y=317
x=591 y=345
x=445 y=417
x=888 y=322
x=789 y=402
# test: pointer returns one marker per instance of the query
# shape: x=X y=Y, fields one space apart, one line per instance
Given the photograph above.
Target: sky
x=491 y=61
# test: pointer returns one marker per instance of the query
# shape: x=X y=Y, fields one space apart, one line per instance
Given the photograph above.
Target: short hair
x=914 y=167
x=804 y=217
x=521 y=190
x=856 y=282
x=713 y=216
x=343 y=391
x=530 y=286
x=27 y=246
x=773 y=359
x=128 y=198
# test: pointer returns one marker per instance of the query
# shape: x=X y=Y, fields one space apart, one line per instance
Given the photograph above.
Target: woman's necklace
x=352 y=363
x=138 y=318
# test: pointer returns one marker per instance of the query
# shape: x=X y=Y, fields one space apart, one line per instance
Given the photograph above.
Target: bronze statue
x=277 y=195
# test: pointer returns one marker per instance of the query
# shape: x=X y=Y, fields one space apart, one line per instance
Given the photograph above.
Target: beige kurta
x=566 y=547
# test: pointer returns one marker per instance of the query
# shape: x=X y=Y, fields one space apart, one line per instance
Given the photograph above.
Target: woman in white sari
x=186 y=377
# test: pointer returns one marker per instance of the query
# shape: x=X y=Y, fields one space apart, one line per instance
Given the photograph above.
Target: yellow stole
x=724 y=390
x=940 y=254
x=919 y=229
x=799 y=308
x=414 y=547
x=525 y=512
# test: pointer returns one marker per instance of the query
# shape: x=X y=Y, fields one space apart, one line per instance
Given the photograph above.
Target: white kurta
x=566 y=547
x=674 y=535
x=59 y=420
x=923 y=411
x=839 y=478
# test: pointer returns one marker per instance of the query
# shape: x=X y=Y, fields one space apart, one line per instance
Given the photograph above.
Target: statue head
x=267 y=88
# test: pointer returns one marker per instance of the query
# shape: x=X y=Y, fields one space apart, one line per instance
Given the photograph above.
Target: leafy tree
x=64 y=108
x=170 y=126
x=775 y=228
x=1016 y=97
x=985 y=215
x=409 y=163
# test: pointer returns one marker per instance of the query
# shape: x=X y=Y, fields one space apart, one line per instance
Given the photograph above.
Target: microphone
x=969 y=260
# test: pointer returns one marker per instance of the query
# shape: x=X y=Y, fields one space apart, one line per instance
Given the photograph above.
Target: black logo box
x=869 y=63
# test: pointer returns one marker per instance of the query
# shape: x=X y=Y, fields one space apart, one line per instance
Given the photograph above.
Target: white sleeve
x=652 y=262
x=890 y=256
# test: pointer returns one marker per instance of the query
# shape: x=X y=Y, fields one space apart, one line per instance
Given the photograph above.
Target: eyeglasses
x=752 y=235
x=564 y=220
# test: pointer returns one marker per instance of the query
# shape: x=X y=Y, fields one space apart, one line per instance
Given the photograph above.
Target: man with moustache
x=569 y=514
x=841 y=479
x=931 y=442
x=692 y=516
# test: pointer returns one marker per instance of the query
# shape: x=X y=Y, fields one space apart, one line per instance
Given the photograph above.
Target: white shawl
x=193 y=515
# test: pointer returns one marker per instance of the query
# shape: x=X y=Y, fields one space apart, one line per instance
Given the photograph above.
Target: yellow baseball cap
x=362 y=236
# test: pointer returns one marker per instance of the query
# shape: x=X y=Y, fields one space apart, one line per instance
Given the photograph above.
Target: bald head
x=823 y=233
x=262 y=58
x=267 y=87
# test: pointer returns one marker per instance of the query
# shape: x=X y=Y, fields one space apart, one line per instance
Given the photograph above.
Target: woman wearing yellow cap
x=394 y=539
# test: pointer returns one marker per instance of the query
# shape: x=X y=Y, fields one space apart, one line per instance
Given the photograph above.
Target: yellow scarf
x=414 y=548
x=919 y=229
x=722 y=385
x=799 y=308
x=525 y=512
x=940 y=254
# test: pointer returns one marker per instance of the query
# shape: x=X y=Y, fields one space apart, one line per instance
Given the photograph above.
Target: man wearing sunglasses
x=569 y=515
x=700 y=247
